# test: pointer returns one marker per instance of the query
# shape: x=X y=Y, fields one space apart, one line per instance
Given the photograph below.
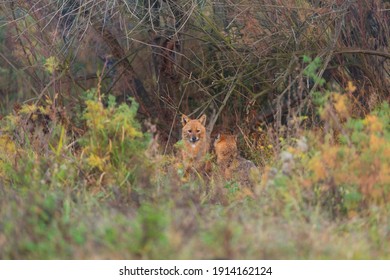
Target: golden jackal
x=195 y=141
x=231 y=165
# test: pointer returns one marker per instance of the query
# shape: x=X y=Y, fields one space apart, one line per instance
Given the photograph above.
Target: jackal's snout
x=194 y=139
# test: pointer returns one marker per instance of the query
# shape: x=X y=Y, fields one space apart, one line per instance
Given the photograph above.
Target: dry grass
x=305 y=85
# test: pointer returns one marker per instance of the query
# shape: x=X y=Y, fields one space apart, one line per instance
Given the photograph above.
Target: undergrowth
x=100 y=193
x=86 y=176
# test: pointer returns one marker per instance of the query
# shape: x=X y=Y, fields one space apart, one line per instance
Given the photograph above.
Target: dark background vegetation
x=305 y=84
x=234 y=60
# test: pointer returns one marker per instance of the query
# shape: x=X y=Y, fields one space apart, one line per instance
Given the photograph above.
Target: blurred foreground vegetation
x=107 y=194
x=90 y=99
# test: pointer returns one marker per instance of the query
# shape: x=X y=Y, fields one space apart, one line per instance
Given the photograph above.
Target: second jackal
x=231 y=165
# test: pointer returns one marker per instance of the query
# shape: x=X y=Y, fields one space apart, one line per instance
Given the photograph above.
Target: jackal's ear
x=184 y=120
x=202 y=119
x=218 y=136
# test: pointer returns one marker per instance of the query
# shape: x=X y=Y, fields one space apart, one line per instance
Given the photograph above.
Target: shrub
x=343 y=169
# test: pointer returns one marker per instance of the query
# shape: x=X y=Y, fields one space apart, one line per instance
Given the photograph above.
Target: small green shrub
x=113 y=147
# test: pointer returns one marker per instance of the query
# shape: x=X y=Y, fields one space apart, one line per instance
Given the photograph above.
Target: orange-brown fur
x=196 y=143
x=225 y=147
x=231 y=165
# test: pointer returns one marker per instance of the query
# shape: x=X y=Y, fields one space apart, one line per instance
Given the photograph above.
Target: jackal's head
x=193 y=130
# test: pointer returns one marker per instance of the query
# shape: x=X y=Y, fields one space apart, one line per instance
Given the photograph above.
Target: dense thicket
x=90 y=98
x=235 y=60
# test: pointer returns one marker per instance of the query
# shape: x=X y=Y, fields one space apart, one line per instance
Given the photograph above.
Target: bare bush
x=241 y=60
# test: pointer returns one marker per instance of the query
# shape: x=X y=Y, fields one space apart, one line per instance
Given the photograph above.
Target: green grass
x=56 y=202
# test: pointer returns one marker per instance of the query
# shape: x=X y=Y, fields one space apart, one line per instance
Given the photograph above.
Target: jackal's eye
x=190 y=131
x=198 y=130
